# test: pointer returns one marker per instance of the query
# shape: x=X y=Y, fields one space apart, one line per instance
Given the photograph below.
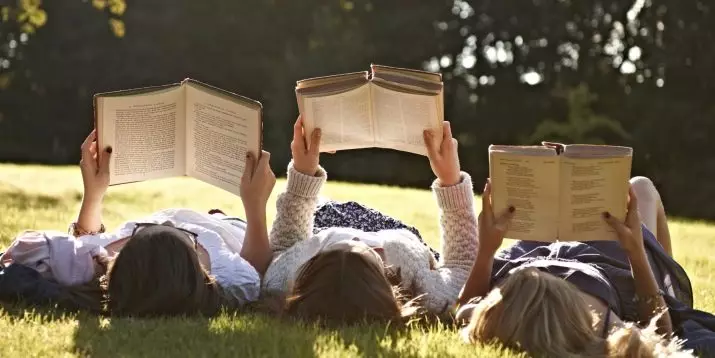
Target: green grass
x=48 y=198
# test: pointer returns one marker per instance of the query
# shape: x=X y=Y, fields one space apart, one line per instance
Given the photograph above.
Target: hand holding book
x=305 y=159
x=189 y=128
x=385 y=108
x=442 y=154
x=560 y=191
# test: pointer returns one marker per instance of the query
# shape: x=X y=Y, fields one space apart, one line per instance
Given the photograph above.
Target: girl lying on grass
x=174 y=262
x=581 y=299
x=343 y=275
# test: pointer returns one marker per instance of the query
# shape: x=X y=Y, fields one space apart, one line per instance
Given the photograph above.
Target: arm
x=491 y=236
x=95 y=177
x=256 y=186
x=630 y=235
x=296 y=207
x=458 y=231
x=650 y=302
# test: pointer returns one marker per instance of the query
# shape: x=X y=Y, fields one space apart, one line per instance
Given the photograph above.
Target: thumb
x=504 y=220
x=104 y=160
x=249 y=168
x=264 y=161
x=615 y=224
x=432 y=151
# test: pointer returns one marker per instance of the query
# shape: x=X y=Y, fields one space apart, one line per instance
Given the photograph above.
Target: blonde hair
x=544 y=315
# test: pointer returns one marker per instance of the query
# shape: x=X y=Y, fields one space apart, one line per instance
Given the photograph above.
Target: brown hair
x=158 y=274
x=545 y=315
x=344 y=287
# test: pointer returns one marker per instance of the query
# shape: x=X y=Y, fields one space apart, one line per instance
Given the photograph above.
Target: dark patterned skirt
x=351 y=215
x=357 y=216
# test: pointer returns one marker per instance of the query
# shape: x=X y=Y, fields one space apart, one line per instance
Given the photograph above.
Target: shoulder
x=285 y=265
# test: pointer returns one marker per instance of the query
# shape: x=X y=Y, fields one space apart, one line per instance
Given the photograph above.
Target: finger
x=88 y=142
x=615 y=224
x=446 y=131
x=504 y=220
x=632 y=200
x=486 y=199
x=264 y=161
x=633 y=219
x=248 y=169
x=315 y=141
x=432 y=150
x=104 y=160
x=298 y=138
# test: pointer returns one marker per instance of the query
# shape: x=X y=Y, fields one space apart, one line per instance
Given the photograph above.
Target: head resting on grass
x=347 y=283
x=544 y=315
x=158 y=273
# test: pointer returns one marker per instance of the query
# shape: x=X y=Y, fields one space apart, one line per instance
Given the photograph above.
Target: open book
x=187 y=128
x=560 y=191
x=388 y=108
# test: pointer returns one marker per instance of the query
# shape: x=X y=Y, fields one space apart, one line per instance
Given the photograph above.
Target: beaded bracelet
x=77 y=230
x=649 y=299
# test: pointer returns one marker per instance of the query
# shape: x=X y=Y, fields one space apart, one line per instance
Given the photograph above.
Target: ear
x=168 y=223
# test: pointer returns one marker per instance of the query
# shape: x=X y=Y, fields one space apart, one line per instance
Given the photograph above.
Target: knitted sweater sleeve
x=295 y=209
x=459 y=240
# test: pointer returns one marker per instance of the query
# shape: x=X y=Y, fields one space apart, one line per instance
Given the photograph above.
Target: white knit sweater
x=293 y=242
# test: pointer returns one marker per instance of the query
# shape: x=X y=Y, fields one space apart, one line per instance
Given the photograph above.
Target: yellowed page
x=590 y=186
x=530 y=183
x=401 y=118
x=220 y=132
x=146 y=133
x=344 y=119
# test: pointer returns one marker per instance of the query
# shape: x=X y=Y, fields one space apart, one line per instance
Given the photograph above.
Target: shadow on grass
x=13 y=198
x=247 y=335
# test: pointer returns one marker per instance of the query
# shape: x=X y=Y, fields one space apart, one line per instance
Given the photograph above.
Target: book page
x=530 y=183
x=401 y=118
x=344 y=119
x=589 y=187
x=220 y=132
x=146 y=133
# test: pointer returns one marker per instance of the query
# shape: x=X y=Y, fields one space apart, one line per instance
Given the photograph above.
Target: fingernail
x=320 y=132
x=606 y=215
x=108 y=150
x=512 y=209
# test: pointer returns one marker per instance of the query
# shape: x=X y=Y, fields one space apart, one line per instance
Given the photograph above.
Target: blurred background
x=630 y=72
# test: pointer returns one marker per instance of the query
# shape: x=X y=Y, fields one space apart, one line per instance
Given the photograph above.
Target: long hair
x=344 y=287
x=544 y=315
x=157 y=274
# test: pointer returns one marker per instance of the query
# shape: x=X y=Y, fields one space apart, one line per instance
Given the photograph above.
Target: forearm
x=256 y=249
x=90 y=214
x=479 y=281
x=295 y=209
x=650 y=302
x=458 y=223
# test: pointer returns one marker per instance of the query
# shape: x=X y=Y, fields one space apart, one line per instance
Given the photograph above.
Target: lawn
x=48 y=198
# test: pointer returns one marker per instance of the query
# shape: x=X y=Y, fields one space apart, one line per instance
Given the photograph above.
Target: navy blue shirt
x=601 y=269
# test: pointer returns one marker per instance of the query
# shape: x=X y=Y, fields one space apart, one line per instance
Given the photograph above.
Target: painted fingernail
x=606 y=215
x=512 y=209
x=108 y=150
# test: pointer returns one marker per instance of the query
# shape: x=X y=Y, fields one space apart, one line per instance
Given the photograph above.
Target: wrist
x=637 y=257
x=450 y=180
x=91 y=197
x=256 y=212
x=485 y=253
x=312 y=171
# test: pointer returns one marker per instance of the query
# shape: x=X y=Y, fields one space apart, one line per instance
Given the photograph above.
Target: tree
x=20 y=19
x=581 y=125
